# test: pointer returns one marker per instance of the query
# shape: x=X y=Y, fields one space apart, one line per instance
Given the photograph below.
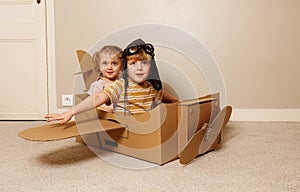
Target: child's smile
x=110 y=66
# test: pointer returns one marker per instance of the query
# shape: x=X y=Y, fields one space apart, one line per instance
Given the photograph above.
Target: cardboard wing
x=58 y=131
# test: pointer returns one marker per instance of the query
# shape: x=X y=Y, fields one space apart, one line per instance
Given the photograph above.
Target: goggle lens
x=149 y=49
x=133 y=50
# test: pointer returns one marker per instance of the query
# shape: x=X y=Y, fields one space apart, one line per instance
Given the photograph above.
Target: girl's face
x=138 y=69
x=110 y=66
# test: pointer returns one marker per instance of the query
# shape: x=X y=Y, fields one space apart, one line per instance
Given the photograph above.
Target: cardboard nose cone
x=204 y=138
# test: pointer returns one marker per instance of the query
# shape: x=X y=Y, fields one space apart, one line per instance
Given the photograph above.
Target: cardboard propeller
x=205 y=137
x=58 y=131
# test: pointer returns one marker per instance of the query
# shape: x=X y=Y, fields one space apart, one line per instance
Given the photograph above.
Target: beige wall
x=255 y=42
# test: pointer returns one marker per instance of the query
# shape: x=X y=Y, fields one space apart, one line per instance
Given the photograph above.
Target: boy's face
x=110 y=66
x=138 y=70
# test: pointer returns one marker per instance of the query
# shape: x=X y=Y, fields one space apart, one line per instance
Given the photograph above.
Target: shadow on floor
x=229 y=132
x=67 y=155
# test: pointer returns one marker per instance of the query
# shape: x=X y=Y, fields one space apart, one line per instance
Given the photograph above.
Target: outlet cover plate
x=67 y=100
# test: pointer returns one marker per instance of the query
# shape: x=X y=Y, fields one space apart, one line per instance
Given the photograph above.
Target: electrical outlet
x=67 y=100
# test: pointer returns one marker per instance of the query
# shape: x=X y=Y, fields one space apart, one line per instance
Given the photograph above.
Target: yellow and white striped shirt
x=140 y=97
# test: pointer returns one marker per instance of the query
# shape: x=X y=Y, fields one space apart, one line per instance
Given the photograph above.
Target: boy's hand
x=64 y=117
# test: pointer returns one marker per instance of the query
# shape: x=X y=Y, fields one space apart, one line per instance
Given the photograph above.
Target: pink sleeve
x=97 y=87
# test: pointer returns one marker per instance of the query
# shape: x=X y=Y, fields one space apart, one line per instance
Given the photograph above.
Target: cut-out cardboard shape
x=57 y=131
x=88 y=68
x=205 y=139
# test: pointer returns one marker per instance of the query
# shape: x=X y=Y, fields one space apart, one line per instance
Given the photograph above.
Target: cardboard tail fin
x=88 y=68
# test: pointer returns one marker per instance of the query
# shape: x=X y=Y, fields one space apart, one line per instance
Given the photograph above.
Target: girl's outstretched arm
x=90 y=102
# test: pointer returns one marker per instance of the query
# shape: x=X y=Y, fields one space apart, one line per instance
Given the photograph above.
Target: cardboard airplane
x=170 y=131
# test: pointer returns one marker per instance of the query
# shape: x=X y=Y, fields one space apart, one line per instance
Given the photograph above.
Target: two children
x=139 y=89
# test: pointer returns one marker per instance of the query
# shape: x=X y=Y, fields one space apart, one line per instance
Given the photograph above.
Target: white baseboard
x=265 y=115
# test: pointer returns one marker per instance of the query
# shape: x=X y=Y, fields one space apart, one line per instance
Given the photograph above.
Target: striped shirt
x=140 y=97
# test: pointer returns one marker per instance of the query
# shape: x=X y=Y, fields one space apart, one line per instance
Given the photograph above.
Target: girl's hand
x=64 y=117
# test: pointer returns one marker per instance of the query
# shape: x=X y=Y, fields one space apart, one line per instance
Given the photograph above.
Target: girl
x=139 y=90
x=108 y=62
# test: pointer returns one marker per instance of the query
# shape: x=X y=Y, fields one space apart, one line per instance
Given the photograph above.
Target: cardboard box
x=156 y=136
x=151 y=136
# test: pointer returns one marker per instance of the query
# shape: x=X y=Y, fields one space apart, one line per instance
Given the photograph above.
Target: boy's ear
x=87 y=67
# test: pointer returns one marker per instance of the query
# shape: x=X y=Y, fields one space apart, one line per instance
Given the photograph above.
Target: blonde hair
x=108 y=49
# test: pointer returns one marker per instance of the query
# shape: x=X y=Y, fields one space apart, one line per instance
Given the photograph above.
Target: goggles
x=148 y=48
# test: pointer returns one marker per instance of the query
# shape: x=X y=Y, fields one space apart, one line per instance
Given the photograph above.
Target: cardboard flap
x=58 y=131
x=197 y=101
x=146 y=122
x=98 y=125
x=88 y=68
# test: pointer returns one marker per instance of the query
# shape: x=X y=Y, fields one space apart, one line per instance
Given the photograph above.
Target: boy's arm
x=90 y=102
